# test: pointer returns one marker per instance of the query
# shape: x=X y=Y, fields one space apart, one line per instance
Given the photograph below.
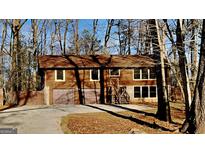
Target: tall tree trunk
x=163 y=111
x=60 y=37
x=193 y=48
x=16 y=60
x=65 y=36
x=129 y=35
x=76 y=41
x=3 y=38
x=44 y=40
x=95 y=23
x=15 y=55
x=183 y=65
x=35 y=35
x=196 y=120
x=147 y=41
x=52 y=43
x=36 y=52
x=108 y=31
x=119 y=36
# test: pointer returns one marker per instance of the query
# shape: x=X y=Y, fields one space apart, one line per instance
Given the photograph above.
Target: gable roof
x=92 y=61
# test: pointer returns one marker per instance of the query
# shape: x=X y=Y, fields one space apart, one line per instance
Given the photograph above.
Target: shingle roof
x=89 y=61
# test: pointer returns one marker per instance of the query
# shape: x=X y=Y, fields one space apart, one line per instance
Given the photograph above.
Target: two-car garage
x=63 y=96
x=70 y=96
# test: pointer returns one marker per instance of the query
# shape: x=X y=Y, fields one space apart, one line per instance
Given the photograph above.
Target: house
x=74 y=79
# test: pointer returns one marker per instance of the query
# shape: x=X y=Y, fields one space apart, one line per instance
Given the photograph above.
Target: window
x=94 y=75
x=136 y=73
x=60 y=75
x=144 y=73
x=145 y=92
x=137 y=92
x=114 y=72
x=153 y=91
x=152 y=73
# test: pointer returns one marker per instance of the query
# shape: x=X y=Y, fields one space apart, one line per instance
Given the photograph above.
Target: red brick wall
x=33 y=97
x=125 y=79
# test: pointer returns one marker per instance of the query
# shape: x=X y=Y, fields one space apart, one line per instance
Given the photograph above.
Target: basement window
x=94 y=75
x=114 y=72
x=59 y=75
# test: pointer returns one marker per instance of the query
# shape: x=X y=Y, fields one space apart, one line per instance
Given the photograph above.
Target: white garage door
x=63 y=96
x=92 y=96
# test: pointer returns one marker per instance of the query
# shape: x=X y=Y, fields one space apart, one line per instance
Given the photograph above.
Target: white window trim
x=57 y=80
x=141 y=92
x=114 y=75
x=91 y=75
x=141 y=74
x=133 y=72
x=149 y=76
x=156 y=90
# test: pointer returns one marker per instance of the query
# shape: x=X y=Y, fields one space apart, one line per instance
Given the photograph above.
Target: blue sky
x=83 y=24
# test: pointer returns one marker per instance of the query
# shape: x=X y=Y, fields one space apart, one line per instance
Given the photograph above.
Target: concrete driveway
x=46 y=119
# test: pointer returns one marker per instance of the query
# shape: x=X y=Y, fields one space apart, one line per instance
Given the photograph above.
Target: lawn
x=124 y=122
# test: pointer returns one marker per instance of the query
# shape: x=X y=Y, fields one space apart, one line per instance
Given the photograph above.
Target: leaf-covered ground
x=3 y=107
x=122 y=122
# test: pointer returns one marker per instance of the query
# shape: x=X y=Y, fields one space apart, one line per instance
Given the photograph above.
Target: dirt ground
x=123 y=122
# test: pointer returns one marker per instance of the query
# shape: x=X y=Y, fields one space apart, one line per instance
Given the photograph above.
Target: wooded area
x=178 y=43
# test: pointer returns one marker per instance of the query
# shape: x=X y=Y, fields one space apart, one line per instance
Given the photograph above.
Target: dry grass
x=4 y=107
x=121 y=123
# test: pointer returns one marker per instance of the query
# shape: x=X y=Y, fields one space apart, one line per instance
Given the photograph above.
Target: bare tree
x=3 y=38
x=76 y=39
x=110 y=23
x=65 y=35
x=163 y=111
x=183 y=64
x=194 y=52
x=129 y=36
x=16 y=26
x=95 y=23
x=195 y=123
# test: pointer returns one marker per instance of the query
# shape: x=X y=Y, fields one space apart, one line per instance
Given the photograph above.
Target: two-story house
x=86 y=79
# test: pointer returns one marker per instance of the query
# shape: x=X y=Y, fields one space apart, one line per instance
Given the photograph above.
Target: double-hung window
x=137 y=73
x=144 y=73
x=145 y=92
x=94 y=75
x=60 y=75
